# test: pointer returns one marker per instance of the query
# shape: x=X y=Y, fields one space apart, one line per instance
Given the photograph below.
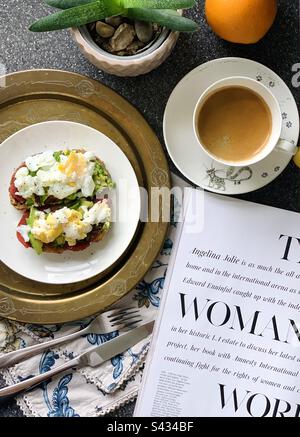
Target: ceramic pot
x=135 y=65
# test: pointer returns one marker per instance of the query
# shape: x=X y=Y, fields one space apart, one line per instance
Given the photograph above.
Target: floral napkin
x=87 y=391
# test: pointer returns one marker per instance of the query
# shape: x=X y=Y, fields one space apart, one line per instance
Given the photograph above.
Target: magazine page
x=227 y=341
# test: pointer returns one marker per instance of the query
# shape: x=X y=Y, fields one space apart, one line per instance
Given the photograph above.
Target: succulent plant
x=76 y=13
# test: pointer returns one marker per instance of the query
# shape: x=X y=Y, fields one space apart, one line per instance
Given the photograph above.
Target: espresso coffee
x=234 y=124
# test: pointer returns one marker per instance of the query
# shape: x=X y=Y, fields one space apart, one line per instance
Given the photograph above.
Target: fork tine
x=126 y=321
x=122 y=318
x=137 y=314
x=126 y=318
x=130 y=325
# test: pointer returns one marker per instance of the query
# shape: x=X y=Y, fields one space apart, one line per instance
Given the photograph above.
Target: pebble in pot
x=144 y=31
x=114 y=21
x=123 y=37
x=134 y=47
x=104 y=30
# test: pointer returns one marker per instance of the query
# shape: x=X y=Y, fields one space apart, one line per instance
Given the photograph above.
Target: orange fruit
x=297 y=158
x=241 y=21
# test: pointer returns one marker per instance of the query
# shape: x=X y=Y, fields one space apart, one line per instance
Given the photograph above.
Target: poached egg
x=44 y=175
x=73 y=225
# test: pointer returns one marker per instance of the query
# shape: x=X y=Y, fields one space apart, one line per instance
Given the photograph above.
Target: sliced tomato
x=13 y=191
x=12 y=188
x=23 y=221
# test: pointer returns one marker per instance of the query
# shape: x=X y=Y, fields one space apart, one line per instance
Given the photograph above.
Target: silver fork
x=120 y=319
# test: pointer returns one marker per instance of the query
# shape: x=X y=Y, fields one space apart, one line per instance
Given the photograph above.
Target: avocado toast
x=59 y=229
x=58 y=178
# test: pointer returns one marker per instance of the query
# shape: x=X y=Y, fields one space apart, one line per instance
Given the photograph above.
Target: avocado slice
x=31 y=217
x=35 y=244
x=60 y=241
x=86 y=203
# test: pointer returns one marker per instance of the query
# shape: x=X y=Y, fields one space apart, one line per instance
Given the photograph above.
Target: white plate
x=68 y=267
x=182 y=144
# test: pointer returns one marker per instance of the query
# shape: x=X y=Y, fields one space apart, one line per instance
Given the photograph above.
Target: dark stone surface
x=279 y=50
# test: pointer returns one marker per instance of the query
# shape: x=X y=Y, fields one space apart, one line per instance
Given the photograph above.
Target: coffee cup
x=265 y=119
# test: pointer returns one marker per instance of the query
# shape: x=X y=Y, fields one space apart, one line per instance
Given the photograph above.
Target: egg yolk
x=77 y=226
x=49 y=233
x=74 y=216
x=49 y=229
x=75 y=163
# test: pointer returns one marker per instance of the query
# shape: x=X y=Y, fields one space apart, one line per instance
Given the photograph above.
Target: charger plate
x=36 y=96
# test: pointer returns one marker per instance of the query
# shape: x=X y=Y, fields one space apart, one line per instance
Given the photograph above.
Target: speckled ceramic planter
x=135 y=65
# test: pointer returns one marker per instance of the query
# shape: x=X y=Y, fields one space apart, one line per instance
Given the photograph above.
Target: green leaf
x=167 y=18
x=126 y=4
x=66 y=4
x=158 y=4
x=77 y=16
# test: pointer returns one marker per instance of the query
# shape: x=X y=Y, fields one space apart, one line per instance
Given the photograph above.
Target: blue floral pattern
x=97 y=339
x=60 y=406
x=117 y=363
x=47 y=361
x=148 y=292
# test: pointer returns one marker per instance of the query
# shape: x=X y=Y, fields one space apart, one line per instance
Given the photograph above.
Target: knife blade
x=98 y=355
x=93 y=357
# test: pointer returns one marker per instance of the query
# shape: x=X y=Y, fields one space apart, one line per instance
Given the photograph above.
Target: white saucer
x=182 y=144
x=68 y=267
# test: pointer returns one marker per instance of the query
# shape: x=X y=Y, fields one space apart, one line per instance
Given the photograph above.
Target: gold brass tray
x=31 y=97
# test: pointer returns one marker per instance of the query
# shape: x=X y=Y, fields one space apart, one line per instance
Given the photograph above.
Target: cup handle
x=286 y=146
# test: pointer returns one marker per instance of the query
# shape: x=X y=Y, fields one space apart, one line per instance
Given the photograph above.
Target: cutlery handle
x=36 y=380
x=14 y=357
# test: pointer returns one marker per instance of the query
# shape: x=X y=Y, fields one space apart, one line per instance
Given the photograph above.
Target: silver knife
x=93 y=357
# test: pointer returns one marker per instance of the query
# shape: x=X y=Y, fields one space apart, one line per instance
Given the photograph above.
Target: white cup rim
x=276 y=127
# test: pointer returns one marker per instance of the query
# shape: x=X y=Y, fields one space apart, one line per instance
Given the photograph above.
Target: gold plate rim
x=47 y=309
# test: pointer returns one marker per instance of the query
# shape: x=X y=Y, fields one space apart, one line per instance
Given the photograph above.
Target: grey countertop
x=279 y=50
